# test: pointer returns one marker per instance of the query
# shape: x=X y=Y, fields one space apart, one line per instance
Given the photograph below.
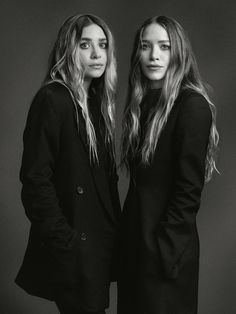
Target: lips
x=155 y=67
x=96 y=66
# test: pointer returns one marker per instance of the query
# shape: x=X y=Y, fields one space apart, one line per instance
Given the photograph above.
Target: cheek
x=167 y=59
x=82 y=58
x=143 y=60
x=104 y=56
x=143 y=57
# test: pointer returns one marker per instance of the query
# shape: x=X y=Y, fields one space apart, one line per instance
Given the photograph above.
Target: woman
x=168 y=146
x=69 y=175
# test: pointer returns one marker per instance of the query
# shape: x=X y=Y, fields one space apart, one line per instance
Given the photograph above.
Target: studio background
x=28 y=30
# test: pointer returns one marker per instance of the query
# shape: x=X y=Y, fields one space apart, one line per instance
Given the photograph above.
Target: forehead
x=155 y=32
x=93 y=31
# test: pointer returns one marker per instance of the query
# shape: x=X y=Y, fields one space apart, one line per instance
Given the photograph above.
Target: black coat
x=73 y=205
x=160 y=241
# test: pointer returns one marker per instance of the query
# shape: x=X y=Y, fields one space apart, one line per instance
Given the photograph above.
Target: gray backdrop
x=28 y=30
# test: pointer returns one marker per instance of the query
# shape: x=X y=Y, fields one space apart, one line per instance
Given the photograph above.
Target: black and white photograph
x=118 y=157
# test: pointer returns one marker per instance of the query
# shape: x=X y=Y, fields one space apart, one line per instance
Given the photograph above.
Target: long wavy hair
x=63 y=69
x=182 y=73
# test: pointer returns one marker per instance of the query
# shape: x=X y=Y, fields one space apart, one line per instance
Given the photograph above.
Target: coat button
x=80 y=190
x=83 y=236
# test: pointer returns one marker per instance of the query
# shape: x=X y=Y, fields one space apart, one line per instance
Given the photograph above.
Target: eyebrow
x=90 y=39
x=159 y=41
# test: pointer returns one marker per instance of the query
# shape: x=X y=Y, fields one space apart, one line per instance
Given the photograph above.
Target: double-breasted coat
x=73 y=204
x=160 y=244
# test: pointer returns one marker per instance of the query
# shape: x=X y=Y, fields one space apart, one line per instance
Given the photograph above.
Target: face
x=91 y=53
x=155 y=54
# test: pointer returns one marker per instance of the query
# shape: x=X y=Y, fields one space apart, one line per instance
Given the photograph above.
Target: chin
x=96 y=75
x=156 y=77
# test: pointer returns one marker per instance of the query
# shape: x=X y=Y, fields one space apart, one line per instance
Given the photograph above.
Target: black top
x=106 y=163
x=99 y=127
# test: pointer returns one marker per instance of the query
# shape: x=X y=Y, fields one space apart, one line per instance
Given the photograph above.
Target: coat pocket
x=173 y=240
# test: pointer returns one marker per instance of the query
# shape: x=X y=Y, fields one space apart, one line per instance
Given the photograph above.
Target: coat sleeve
x=39 y=196
x=191 y=140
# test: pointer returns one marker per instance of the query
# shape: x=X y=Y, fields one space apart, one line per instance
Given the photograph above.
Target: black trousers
x=68 y=303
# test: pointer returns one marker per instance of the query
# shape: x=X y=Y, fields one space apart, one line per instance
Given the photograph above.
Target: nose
x=96 y=53
x=155 y=53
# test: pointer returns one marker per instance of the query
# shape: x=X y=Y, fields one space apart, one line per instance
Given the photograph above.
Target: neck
x=86 y=84
x=156 y=84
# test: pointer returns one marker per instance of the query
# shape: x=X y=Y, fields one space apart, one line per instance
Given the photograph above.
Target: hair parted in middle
x=63 y=68
x=182 y=73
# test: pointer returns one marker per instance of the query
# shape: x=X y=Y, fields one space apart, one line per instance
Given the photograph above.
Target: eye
x=84 y=45
x=165 y=47
x=103 y=45
x=145 y=46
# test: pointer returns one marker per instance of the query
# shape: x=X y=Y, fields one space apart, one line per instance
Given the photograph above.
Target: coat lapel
x=98 y=172
x=81 y=128
x=103 y=189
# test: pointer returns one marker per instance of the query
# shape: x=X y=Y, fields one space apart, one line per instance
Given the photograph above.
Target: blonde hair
x=63 y=69
x=182 y=73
